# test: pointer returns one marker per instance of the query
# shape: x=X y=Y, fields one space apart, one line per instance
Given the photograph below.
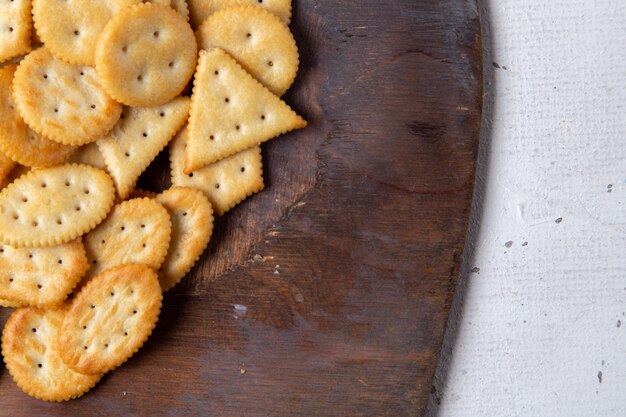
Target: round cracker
x=201 y=9
x=31 y=355
x=70 y=29
x=110 y=319
x=17 y=140
x=146 y=55
x=258 y=40
x=63 y=102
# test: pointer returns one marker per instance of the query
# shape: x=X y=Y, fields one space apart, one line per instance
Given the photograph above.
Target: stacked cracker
x=84 y=110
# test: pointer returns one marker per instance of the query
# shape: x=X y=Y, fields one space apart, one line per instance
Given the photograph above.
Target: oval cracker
x=50 y=206
x=32 y=357
x=110 y=319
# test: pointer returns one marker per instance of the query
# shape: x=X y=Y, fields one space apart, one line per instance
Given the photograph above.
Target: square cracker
x=29 y=348
x=225 y=183
x=15 y=28
x=138 y=138
x=231 y=111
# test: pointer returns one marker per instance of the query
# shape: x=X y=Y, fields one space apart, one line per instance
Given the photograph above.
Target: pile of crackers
x=90 y=93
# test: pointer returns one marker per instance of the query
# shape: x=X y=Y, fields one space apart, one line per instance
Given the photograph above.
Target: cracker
x=15 y=28
x=10 y=304
x=6 y=165
x=138 y=138
x=136 y=231
x=89 y=155
x=17 y=140
x=192 y=226
x=16 y=172
x=50 y=206
x=62 y=102
x=41 y=277
x=29 y=348
x=201 y=9
x=70 y=29
x=258 y=40
x=182 y=8
x=225 y=183
x=231 y=111
x=110 y=319
x=146 y=55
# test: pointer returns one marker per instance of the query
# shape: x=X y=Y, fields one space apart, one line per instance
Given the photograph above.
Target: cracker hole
x=45 y=76
x=185 y=213
x=94 y=262
x=262 y=117
x=10 y=27
x=191 y=175
x=93 y=306
x=112 y=294
x=270 y=63
x=34 y=223
x=122 y=228
x=76 y=32
x=30 y=255
x=10 y=279
x=126 y=154
x=171 y=64
x=248 y=35
x=86 y=191
x=143 y=245
x=59 y=221
x=103 y=242
x=84 y=327
x=217 y=186
x=144 y=134
x=227 y=100
x=34 y=330
x=243 y=169
x=85 y=347
x=237 y=127
x=15 y=216
x=125 y=333
x=67 y=183
x=124 y=48
x=134 y=311
x=1 y=250
x=139 y=77
x=39 y=365
x=93 y=106
x=56 y=110
x=60 y=261
x=77 y=208
x=162 y=114
x=155 y=34
x=211 y=137
x=82 y=73
x=143 y=225
x=44 y=185
x=39 y=286
x=216 y=72
x=106 y=345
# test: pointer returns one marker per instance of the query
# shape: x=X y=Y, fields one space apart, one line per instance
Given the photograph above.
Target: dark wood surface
x=358 y=235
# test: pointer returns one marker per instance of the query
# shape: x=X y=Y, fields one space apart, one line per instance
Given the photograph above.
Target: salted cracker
x=136 y=231
x=15 y=28
x=62 y=102
x=30 y=352
x=41 y=277
x=225 y=183
x=231 y=111
x=138 y=138
x=146 y=55
x=192 y=226
x=17 y=140
x=110 y=319
x=89 y=155
x=70 y=29
x=201 y=9
x=50 y=206
x=258 y=40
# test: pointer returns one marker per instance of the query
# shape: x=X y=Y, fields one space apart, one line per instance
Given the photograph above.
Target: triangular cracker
x=138 y=138
x=225 y=183
x=231 y=111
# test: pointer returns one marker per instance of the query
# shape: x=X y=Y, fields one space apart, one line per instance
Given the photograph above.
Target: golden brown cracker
x=181 y=7
x=225 y=183
x=201 y=9
x=62 y=102
x=138 y=138
x=136 y=231
x=89 y=155
x=10 y=304
x=50 y=206
x=192 y=226
x=17 y=140
x=41 y=277
x=6 y=165
x=70 y=29
x=15 y=28
x=146 y=55
x=258 y=40
x=110 y=319
x=231 y=111
x=29 y=349
x=16 y=172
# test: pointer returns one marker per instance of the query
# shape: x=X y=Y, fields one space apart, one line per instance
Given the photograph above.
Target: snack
x=146 y=55
x=15 y=28
x=201 y=9
x=88 y=155
x=30 y=216
x=231 y=111
x=136 y=231
x=41 y=277
x=70 y=29
x=226 y=182
x=110 y=319
x=29 y=348
x=17 y=140
x=258 y=40
x=62 y=102
x=6 y=165
x=192 y=225
x=138 y=138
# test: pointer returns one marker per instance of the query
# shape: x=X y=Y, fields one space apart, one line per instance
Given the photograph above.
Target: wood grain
x=359 y=235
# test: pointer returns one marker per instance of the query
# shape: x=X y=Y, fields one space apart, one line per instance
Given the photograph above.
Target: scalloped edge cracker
x=192 y=226
x=15 y=28
x=89 y=155
x=199 y=10
x=110 y=319
x=136 y=231
x=30 y=352
x=231 y=111
x=138 y=138
x=224 y=183
x=41 y=277
x=50 y=206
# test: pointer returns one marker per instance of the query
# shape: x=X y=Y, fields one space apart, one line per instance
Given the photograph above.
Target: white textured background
x=539 y=325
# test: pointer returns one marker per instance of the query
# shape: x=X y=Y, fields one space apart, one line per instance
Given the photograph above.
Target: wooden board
x=359 y=235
